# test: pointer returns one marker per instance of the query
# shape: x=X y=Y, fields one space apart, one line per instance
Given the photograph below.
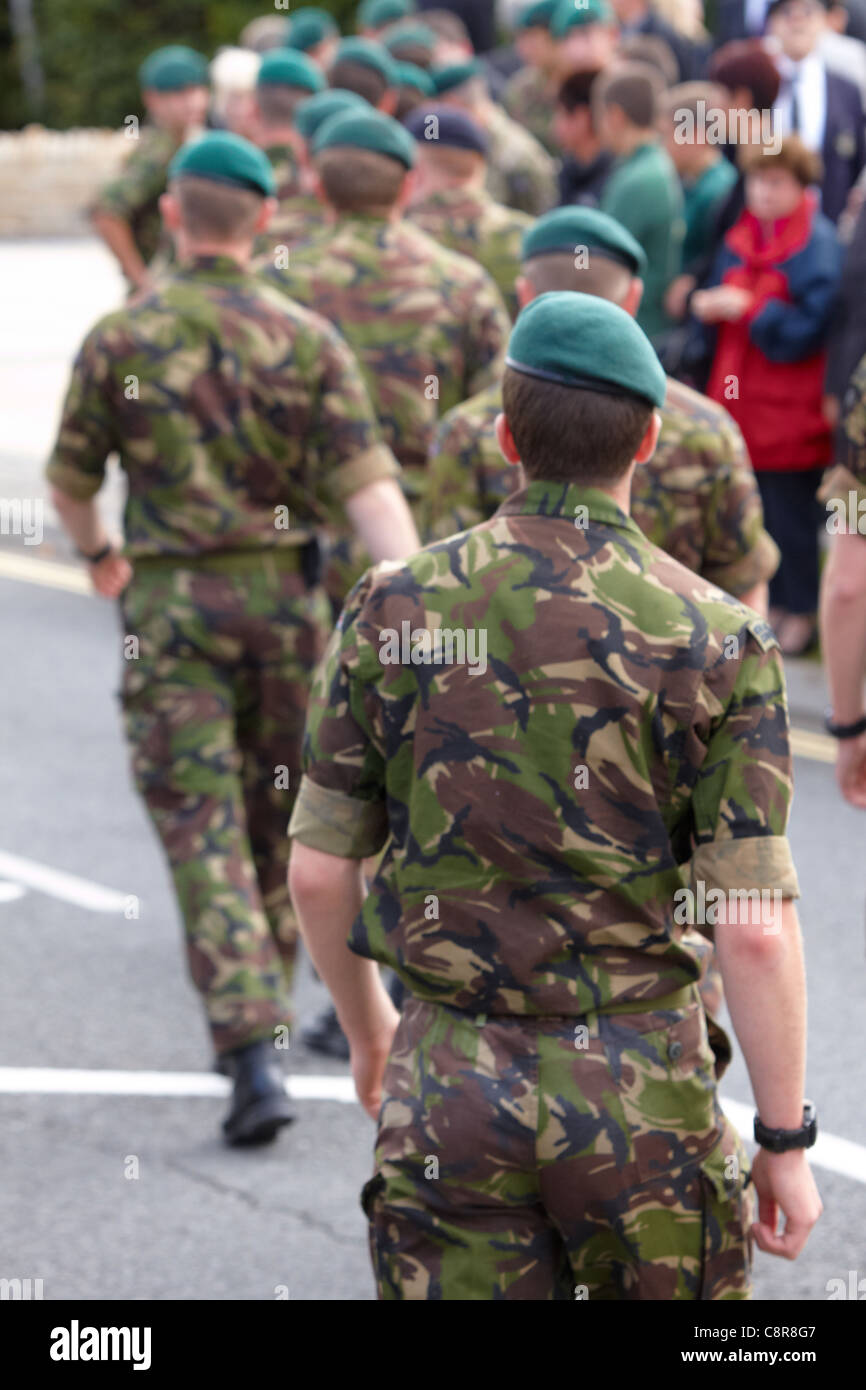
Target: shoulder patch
x=762 y=633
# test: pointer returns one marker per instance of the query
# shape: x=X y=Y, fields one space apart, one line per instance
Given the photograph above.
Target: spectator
x=705 y=175
x=642 y=191
x=775 y=281
x=638 y=17
x=822 y=107
x=585 y=168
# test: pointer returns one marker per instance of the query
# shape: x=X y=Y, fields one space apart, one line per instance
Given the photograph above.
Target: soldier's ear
x=505 y=440
x=169 y=208
x=388 y=104
x=266 y=212
x=525 y=290
x=633 y=297
x=647 y=446
x=407 y=189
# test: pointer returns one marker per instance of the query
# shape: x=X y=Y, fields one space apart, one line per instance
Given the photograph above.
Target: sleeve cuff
x=338 y=824
x=80 y=486
x=760 y=862
x=837 y=483
x=758 y=565
x=367 y=467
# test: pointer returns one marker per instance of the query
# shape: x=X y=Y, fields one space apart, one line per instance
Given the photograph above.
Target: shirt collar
x=562 y=500
x=214 y=268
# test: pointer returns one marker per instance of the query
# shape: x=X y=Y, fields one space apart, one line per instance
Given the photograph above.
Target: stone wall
x=48 y=177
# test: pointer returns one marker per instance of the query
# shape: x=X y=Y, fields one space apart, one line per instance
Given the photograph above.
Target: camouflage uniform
x=242 y=423
x=520 y=172
x=286 y=170
x=550 y=1118
x=428 y=328
x=849 y=474
x=696 y=498
x=529 y=100
x=467 y=220
x=134 y=193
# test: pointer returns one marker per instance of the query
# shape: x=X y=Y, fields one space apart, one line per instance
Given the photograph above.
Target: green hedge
x=90 y=51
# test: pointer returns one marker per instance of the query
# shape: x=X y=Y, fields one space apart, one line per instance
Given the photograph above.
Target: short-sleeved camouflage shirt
x=530 y=99
x=428 y=326
x=843 y=489
x=298 y=219
x=286 y=170
x=697 y=498
x=467 y=220
x=520 y=172
x=242 y=421
x=552 y=730
x=134 y=193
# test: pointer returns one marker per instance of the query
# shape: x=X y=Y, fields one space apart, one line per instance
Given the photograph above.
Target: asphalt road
x=84 y=986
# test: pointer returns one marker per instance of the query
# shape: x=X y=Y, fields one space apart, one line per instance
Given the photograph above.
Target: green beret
x=581 y=340
x=222 y=157
x=288 y=67
x=418 y=35
x=370 y=54
x=410 y=75
x=312 y=112
x=537 y=16
x=310 y=26
x=375 y=14
x=567 y=228
x=366 y=130
x=455 y=74
x=569 y=14
x=172 y=69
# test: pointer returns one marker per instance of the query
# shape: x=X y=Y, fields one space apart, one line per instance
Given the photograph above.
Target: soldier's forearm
x=327 y=894
x=81 y=522
x=118 y=238
x=843 y=625
x=765 y=990
x=381 y=517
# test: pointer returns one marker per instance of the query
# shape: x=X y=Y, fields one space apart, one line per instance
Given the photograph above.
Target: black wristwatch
x=844 y=730
x=100 y=555
x=779 y=1141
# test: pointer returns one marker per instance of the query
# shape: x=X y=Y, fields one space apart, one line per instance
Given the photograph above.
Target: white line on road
x=57 y=884
x=832 y=1152
x=46 y=572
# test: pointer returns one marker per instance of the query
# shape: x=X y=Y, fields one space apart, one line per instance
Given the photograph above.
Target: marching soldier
x=242 y=423
x=559 y=737
x=174 y=87
x=285 y=79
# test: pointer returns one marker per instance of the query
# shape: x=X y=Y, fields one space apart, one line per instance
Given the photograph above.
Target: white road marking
x=46 y=572
x=832 y=1152
x=10 y=892
x=67 y=887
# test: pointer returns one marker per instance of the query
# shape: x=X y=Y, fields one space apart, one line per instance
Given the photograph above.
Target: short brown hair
x=792 y=154
x=410 y=52
x=359 y=180
x=359 y=78
x=216 y=210
x=446 y=25
x=746 y=63
x=689 y=96
x=459 y=164
x=652 y=50
x=601 y=276
x=569 y=434
x=634 y=87
x=277 y=102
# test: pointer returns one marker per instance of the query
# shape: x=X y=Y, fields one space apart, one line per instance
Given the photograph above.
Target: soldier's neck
x=239 y=251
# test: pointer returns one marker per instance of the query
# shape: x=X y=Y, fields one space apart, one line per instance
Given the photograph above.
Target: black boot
x=325 y=1035
x=259 y=1105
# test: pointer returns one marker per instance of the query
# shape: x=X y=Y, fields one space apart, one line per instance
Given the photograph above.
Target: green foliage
x=90 y=51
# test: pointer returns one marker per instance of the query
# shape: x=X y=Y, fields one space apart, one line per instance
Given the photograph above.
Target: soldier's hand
x=111 y=576
x=851 y=770
x=368 y=1058
x=784 y=1183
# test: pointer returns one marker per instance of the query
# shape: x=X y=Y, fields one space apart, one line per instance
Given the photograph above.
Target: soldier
x=586 y=36
x=529 y=94
x=428 y=326
x=174 y=87
x=365 y=67
x=560 y=737
x=241 y=422
x=373 y=17
x=303 y=216
x=313 y=31
x=412 y=85
x=285 y=79
x=843 y=594
x=450 y=203
x=520 y=172
x=410 y=43
x=696 y=498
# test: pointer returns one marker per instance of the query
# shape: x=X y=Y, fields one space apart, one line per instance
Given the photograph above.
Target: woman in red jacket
x=772 y=295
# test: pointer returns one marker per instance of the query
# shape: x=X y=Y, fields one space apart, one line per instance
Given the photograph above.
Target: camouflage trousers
x=214 y=706
x=554 y=1158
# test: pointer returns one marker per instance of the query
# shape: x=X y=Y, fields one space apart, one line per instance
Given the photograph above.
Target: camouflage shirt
x=529 y=100
x=697 y=498
x=298 y=219
x=286 y=170
x=615 y=733
x=241 y=420
x=467 y=220
x=135 y=192
x=845 y=484
x=520 y=172
x=428 y=326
